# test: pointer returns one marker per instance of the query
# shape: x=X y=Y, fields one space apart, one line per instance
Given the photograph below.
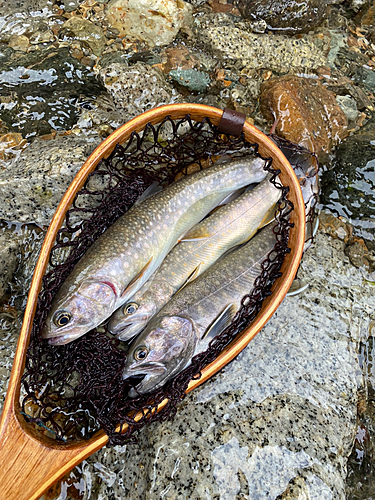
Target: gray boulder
x=32 y=185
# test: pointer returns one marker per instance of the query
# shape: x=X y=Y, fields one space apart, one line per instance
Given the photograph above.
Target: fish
x=231 y=225
x=195 y=315
x=123 y=258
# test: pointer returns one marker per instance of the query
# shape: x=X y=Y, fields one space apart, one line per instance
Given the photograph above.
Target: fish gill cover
x=74 y=390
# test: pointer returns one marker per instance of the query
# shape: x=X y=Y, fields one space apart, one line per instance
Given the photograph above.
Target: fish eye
x=62 y=318
x=130 y=308
x=141 y=353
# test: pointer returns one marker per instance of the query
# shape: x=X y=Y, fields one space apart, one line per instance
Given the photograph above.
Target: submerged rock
x=279 y=420
x=155 y=22
x=137 y=88
x=32 y=186
x=39 y=91
x=9 y=249
x=195 y=81
x=307 y=113
x=86 y=32
x=238 y=48
x=348 y=188
x=285 y=16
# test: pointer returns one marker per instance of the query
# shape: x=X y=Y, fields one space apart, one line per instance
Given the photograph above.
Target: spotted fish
x=126 y=255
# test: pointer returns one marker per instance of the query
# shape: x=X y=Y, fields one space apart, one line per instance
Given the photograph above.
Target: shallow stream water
x=49 y=84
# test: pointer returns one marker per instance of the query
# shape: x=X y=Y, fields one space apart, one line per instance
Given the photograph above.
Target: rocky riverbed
x=293 y=416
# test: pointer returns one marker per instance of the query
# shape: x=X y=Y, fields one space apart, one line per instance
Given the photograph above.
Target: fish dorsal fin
x=221 y=322
x=134 y=282
x=150 y=191
x=190 y=278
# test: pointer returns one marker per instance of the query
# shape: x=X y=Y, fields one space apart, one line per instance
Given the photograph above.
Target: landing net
x=72 y=391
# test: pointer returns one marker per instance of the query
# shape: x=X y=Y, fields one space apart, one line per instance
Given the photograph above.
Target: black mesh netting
x=72 y=391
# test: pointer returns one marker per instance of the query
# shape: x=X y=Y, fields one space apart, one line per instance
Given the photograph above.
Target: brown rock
x=335 y=227
x=9 y=142
x=307 y=113
x=179 y=58
x=285 y=16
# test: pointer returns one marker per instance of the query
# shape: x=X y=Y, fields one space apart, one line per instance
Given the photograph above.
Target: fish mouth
x=151 y=367
x=128 y=330
x=63 y=339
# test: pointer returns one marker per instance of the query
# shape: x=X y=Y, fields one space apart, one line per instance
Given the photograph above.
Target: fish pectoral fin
x=269 y=217
x=190 y=278
x=196 y=234
x=297 y=287
x=221 y=322
x=134 y=282
x=231 y=197
x=150 y=191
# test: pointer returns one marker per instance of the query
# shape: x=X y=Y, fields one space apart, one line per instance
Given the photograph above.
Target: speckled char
x=284 y=411
x=138 y=242
x=230 y=225
x=241 y=49
x=225 y=282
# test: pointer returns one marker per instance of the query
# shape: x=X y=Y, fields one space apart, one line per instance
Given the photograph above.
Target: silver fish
x=201 y=310
x=127 y=254
x=231 y=225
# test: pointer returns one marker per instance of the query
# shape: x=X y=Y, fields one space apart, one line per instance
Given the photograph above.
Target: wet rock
x=22 y=18
x=156 y=23
x=348 y=188
x=43 y=35
x=9 y=249
x=285 y=16
x=32 y=186
x=71 y=5
x=307 y=113
x=39 y=91
x=238 y=48
x=9 y=143
x=99 y=116
x=179 y=58
x=8 y=7
x=20 y=42
x=335 y=227
x=137 y=88
x=280 y=418
x=349 y=106
x=86 y=32
x=359 y=255
x=344 y=86
x=195 y=81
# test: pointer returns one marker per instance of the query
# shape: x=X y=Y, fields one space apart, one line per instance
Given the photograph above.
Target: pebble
x=307 y=113
x=236 y=47
x=155 y=22
x=20 y=42
x=285 y=16
x=9 y=143
x=137 y=88
x=86 y=32
x=349 y=106
x=195 y=81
